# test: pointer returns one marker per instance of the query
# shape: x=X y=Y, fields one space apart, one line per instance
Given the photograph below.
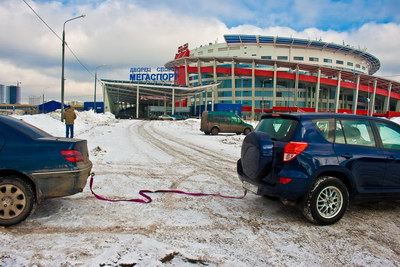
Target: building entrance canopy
x=131 y=93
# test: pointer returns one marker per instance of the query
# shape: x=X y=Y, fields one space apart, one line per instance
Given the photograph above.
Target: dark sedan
x=34 y=166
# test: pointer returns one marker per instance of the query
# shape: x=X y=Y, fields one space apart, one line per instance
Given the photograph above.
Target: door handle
x=347 y=155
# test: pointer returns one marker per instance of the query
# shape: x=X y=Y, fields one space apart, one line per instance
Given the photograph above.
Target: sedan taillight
x=293 y=149
x=72 y=155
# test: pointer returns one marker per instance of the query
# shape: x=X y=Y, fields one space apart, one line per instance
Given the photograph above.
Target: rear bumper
x=292 y=191
x=61 y=183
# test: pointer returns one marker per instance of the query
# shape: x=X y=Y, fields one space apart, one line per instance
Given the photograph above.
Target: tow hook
x=288 y=202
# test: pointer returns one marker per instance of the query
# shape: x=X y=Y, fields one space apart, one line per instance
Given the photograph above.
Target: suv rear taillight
x=72 y=155
x=292 y=150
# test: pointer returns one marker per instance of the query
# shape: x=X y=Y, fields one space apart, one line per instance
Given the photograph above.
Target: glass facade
x=288 y=93
x=264 y=93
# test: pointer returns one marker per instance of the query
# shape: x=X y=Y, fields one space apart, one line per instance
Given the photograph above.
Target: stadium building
x=267 y=73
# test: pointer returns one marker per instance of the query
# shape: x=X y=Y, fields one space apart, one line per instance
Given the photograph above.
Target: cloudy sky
x=129 y=33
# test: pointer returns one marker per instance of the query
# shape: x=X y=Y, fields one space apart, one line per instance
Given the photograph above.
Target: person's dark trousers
x=69 y=133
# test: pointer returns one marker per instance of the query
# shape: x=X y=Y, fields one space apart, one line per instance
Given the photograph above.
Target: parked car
x=178 y=116
x=166 y=118
x=318 y=161
x=34 y=166
x=127 y=113
x=215 y=122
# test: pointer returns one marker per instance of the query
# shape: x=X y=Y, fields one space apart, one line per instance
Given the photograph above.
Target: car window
x=354 y=132
x=211 y=118
x=390 y=135
x=277 y=128
x=235 y=120
x=219 y=118
x=326 y=127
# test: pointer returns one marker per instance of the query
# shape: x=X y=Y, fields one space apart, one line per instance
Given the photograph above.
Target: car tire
x=247 y=131
x=16 y=200
x=214 y=131
x=327 y=201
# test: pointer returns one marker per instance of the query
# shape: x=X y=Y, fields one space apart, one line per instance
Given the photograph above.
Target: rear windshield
x=277 y=128
x=13 y=126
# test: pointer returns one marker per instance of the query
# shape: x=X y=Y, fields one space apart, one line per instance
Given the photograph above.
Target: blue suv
x=318 y=161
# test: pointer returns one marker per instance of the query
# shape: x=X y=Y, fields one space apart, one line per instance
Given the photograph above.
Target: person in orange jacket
x=69 y=117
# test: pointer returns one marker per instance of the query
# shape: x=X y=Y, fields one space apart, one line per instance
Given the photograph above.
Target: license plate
x=251 y=187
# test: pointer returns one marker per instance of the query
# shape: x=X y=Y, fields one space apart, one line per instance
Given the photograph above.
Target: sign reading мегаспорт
x=147 y=74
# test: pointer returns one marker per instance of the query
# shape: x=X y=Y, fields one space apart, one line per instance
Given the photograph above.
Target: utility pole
x=62 y=65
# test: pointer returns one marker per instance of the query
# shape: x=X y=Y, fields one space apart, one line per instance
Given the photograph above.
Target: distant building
x=76 y=103
x=13 y=94
x=35 y=100
x=49 y=106
x=2 y=94
x=90 y=105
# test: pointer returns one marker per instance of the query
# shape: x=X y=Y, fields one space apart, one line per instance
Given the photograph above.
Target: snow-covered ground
x=178 y=230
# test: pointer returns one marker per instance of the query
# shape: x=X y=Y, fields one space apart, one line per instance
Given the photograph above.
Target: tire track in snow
x=190 y=154
x=187 y=144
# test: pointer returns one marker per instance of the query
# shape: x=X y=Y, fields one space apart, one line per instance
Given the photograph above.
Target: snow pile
x=90 y=118
x=52 y=124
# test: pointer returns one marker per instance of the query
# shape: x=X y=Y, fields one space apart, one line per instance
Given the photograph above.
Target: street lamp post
x=62 y=65
x=95 y=82
x=43 y=100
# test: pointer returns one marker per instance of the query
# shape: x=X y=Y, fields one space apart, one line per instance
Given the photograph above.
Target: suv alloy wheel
x=327 y=201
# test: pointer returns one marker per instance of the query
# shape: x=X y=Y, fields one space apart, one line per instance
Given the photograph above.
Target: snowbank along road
x=178 y=230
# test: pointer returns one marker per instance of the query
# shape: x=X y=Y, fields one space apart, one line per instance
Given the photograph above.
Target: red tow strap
x=144 y=193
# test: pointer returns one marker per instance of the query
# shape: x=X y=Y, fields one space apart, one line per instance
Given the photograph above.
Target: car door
x=358 y=152
x=390 y=136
